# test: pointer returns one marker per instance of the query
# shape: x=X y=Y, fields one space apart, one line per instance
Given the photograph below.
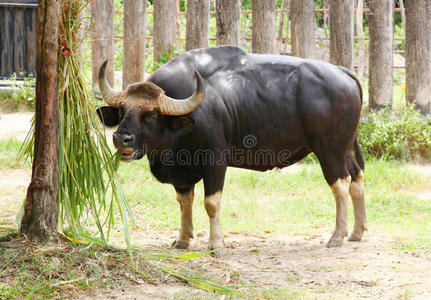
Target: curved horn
x=110 y=96
x=176 y=107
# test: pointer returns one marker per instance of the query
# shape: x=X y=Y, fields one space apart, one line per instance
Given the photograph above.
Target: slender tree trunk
x=302 y=12
x=197 y=24
x=134 y=41
x=40 y=219
x=281 y=26
x=381 y=23
x=341 y=28
x=179 y=26
x=245 y=25
x=102 y=45
x=227 y=19
x=325 y=17
x=403 y=14
x=418 y=54
x=263 y=35
x=361 y=41
x=164 y=27
x=288 y=22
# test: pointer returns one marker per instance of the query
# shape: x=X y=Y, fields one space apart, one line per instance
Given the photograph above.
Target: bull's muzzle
x=125 y=143
x=123 y=140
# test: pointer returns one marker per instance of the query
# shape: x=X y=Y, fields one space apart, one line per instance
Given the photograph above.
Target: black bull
x=251 y=111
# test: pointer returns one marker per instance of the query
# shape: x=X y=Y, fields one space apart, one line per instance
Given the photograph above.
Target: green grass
x=66 y=270
x=9 y=149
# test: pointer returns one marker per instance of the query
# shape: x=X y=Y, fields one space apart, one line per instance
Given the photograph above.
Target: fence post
x=134 y=41
x=102 y=44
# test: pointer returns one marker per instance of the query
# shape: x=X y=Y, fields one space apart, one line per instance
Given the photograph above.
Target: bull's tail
x=359 y=157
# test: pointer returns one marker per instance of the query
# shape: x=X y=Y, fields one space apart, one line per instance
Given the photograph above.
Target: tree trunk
x=280 y=26
x=325 y=17
x=380 y=20
x=245 y=24
x=341 y=28
x=197 y=24
x=164 y=27
x=134 y=41
x=102 y=45
x=418 y=54
x=179 y=44
x=227 y=19
x=403 y=14
x=288 y=22
x=263 y=35
x=302 y=12
x=361 y=41
x=40 y=219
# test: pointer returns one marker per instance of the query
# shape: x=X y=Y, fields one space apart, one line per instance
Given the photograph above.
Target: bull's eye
x=149 y=116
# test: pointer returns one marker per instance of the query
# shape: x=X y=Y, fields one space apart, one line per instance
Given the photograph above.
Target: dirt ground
x=372 y=268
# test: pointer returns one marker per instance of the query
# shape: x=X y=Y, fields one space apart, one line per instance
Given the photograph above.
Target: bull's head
x=146 y=116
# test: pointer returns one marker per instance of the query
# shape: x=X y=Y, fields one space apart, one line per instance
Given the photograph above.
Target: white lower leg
x=357 y=194
x=212 y=206
x=186 y=230
x=340 y=190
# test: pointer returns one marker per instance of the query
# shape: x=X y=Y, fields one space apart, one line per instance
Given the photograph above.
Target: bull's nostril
x=128 y=139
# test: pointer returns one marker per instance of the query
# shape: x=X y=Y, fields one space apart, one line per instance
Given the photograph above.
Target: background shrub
x=399 y=134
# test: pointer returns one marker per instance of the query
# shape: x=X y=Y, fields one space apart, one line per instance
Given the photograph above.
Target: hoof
x=354 y=238
x=217 y=248
x=180 y=245
x=217 y=253
x=357 y=233
x=334 y=243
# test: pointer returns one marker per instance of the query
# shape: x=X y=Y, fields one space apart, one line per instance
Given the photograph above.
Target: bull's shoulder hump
x=206 y=60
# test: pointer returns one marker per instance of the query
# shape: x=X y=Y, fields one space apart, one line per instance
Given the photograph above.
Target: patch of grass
x=9 y=149
x=65 y=269
x=20 y=97
x=393 y=204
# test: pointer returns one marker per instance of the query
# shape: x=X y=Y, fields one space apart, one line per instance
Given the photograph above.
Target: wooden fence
x=184 y=13
x=18 y=24
x=249 y=38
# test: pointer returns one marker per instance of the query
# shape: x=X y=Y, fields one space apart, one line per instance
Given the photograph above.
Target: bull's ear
x=181 y=125
x=110 y=116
